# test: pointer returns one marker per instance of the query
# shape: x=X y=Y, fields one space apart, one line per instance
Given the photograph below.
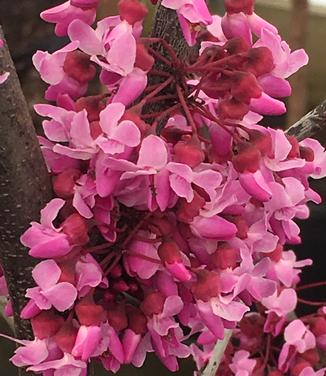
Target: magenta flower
x=241 y=364
x=49 y=291
x=67 y=365
x=45 y=240
x=63 y=14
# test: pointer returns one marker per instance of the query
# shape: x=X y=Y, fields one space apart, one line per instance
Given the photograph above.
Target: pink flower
x=31 y=353
x=43 y=239
x=191 y=13
x=67 y=365
x=117 y=135
x=309 y=371
x=87 y=341
x=50 y=292
x=4 y=77
x=63 y=14
x=241 y=364
x=107 y=44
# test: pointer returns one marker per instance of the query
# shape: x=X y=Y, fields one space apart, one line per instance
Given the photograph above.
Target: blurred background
x=301 y=23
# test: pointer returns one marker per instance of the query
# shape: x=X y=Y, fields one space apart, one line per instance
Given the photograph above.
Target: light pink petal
x=36 y=295
x=130 y=343
x=258 y=25
x=297 y=59
x=55 y=131
x=121 y=62
x=294 y=331
x=213 y=322
x=110 y=146
x=50 y=212
x=144 y=268
x=255 y=185
x=67 y=360
x=87 y=340
x=127 y=133
x=46 y=274
x=80 y=130
x=33 y=353
x=88 y=275
x=52 y=247
x=163 y=190
x=181 y=187
x=276 y=87
x=233 y=311
x=153 y=153
x=266 y=105
x=172 y=306
x=4 y=77
x=213 y=228
x=110 y=117
x=86 y=36
x=131 y=87
x=62 y=296
x=115 y=345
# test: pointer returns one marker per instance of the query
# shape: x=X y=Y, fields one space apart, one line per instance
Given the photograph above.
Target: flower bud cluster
x=160 y=238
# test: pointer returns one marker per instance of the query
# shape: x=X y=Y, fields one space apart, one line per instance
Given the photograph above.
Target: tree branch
x=24 y=188
x=313 y=124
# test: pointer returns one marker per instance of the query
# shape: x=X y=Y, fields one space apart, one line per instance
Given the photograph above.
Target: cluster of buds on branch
x=169 y=226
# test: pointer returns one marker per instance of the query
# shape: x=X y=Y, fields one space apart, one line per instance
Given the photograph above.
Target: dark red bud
x=89 y=313
x=137 y=320
x=144 y=60
x=64 y=183
x=93 y=105
x=242 y=226
x=68 y=272
x=132 y=11
x=247 y=159
x=75 y=227
x=236 y=45
x=207 y=285
x=299 y=367
x=117 y=317
x=46 y=324
x=161 y=226
x=169 y=252
x=188 y=210
x=120 y=286
x=275 y=372
x=78 y=66
x=318 y=326
x=153 y=303
x=188 y=152
x=295 y=151
x=307 y=153
x=260 y=61
x=245 y=87
x=232 y=109
x=311 y=356
x=224 y=257
x=262 y=141
x=237 y=6
x=65 y=338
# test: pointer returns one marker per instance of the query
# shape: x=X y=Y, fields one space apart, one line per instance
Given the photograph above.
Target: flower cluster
x=167 y=227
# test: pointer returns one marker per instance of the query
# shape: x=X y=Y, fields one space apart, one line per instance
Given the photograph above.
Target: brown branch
x=313 y=124
x=24 y=188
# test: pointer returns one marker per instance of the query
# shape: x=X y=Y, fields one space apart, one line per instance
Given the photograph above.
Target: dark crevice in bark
x=24 y=188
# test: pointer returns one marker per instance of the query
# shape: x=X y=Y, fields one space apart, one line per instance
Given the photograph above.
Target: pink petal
x=62 y=296
x=152 y=153
x=33 y=353
x=131 y=87
x=255 y=185
x=233 y=311
x=267 y=105
x=46 y=274
x=110 y=117
x=50 y=212
x=213 y=228
x=276 y=87
x=172 y=306
x=4 y=77
x=87 y=340
x=86 y=36
x=127 y=133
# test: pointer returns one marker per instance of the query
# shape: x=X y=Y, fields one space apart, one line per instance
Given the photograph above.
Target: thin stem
x=135 y=230
x=311 y=303
x=159 y=56
x=147 y=258
x=311 y=285
x=186 y=110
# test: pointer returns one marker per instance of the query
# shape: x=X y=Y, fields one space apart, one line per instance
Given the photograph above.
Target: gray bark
x=24 y=188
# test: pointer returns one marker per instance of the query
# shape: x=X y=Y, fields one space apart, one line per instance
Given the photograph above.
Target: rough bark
x=24 y=187
x=313 y=124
